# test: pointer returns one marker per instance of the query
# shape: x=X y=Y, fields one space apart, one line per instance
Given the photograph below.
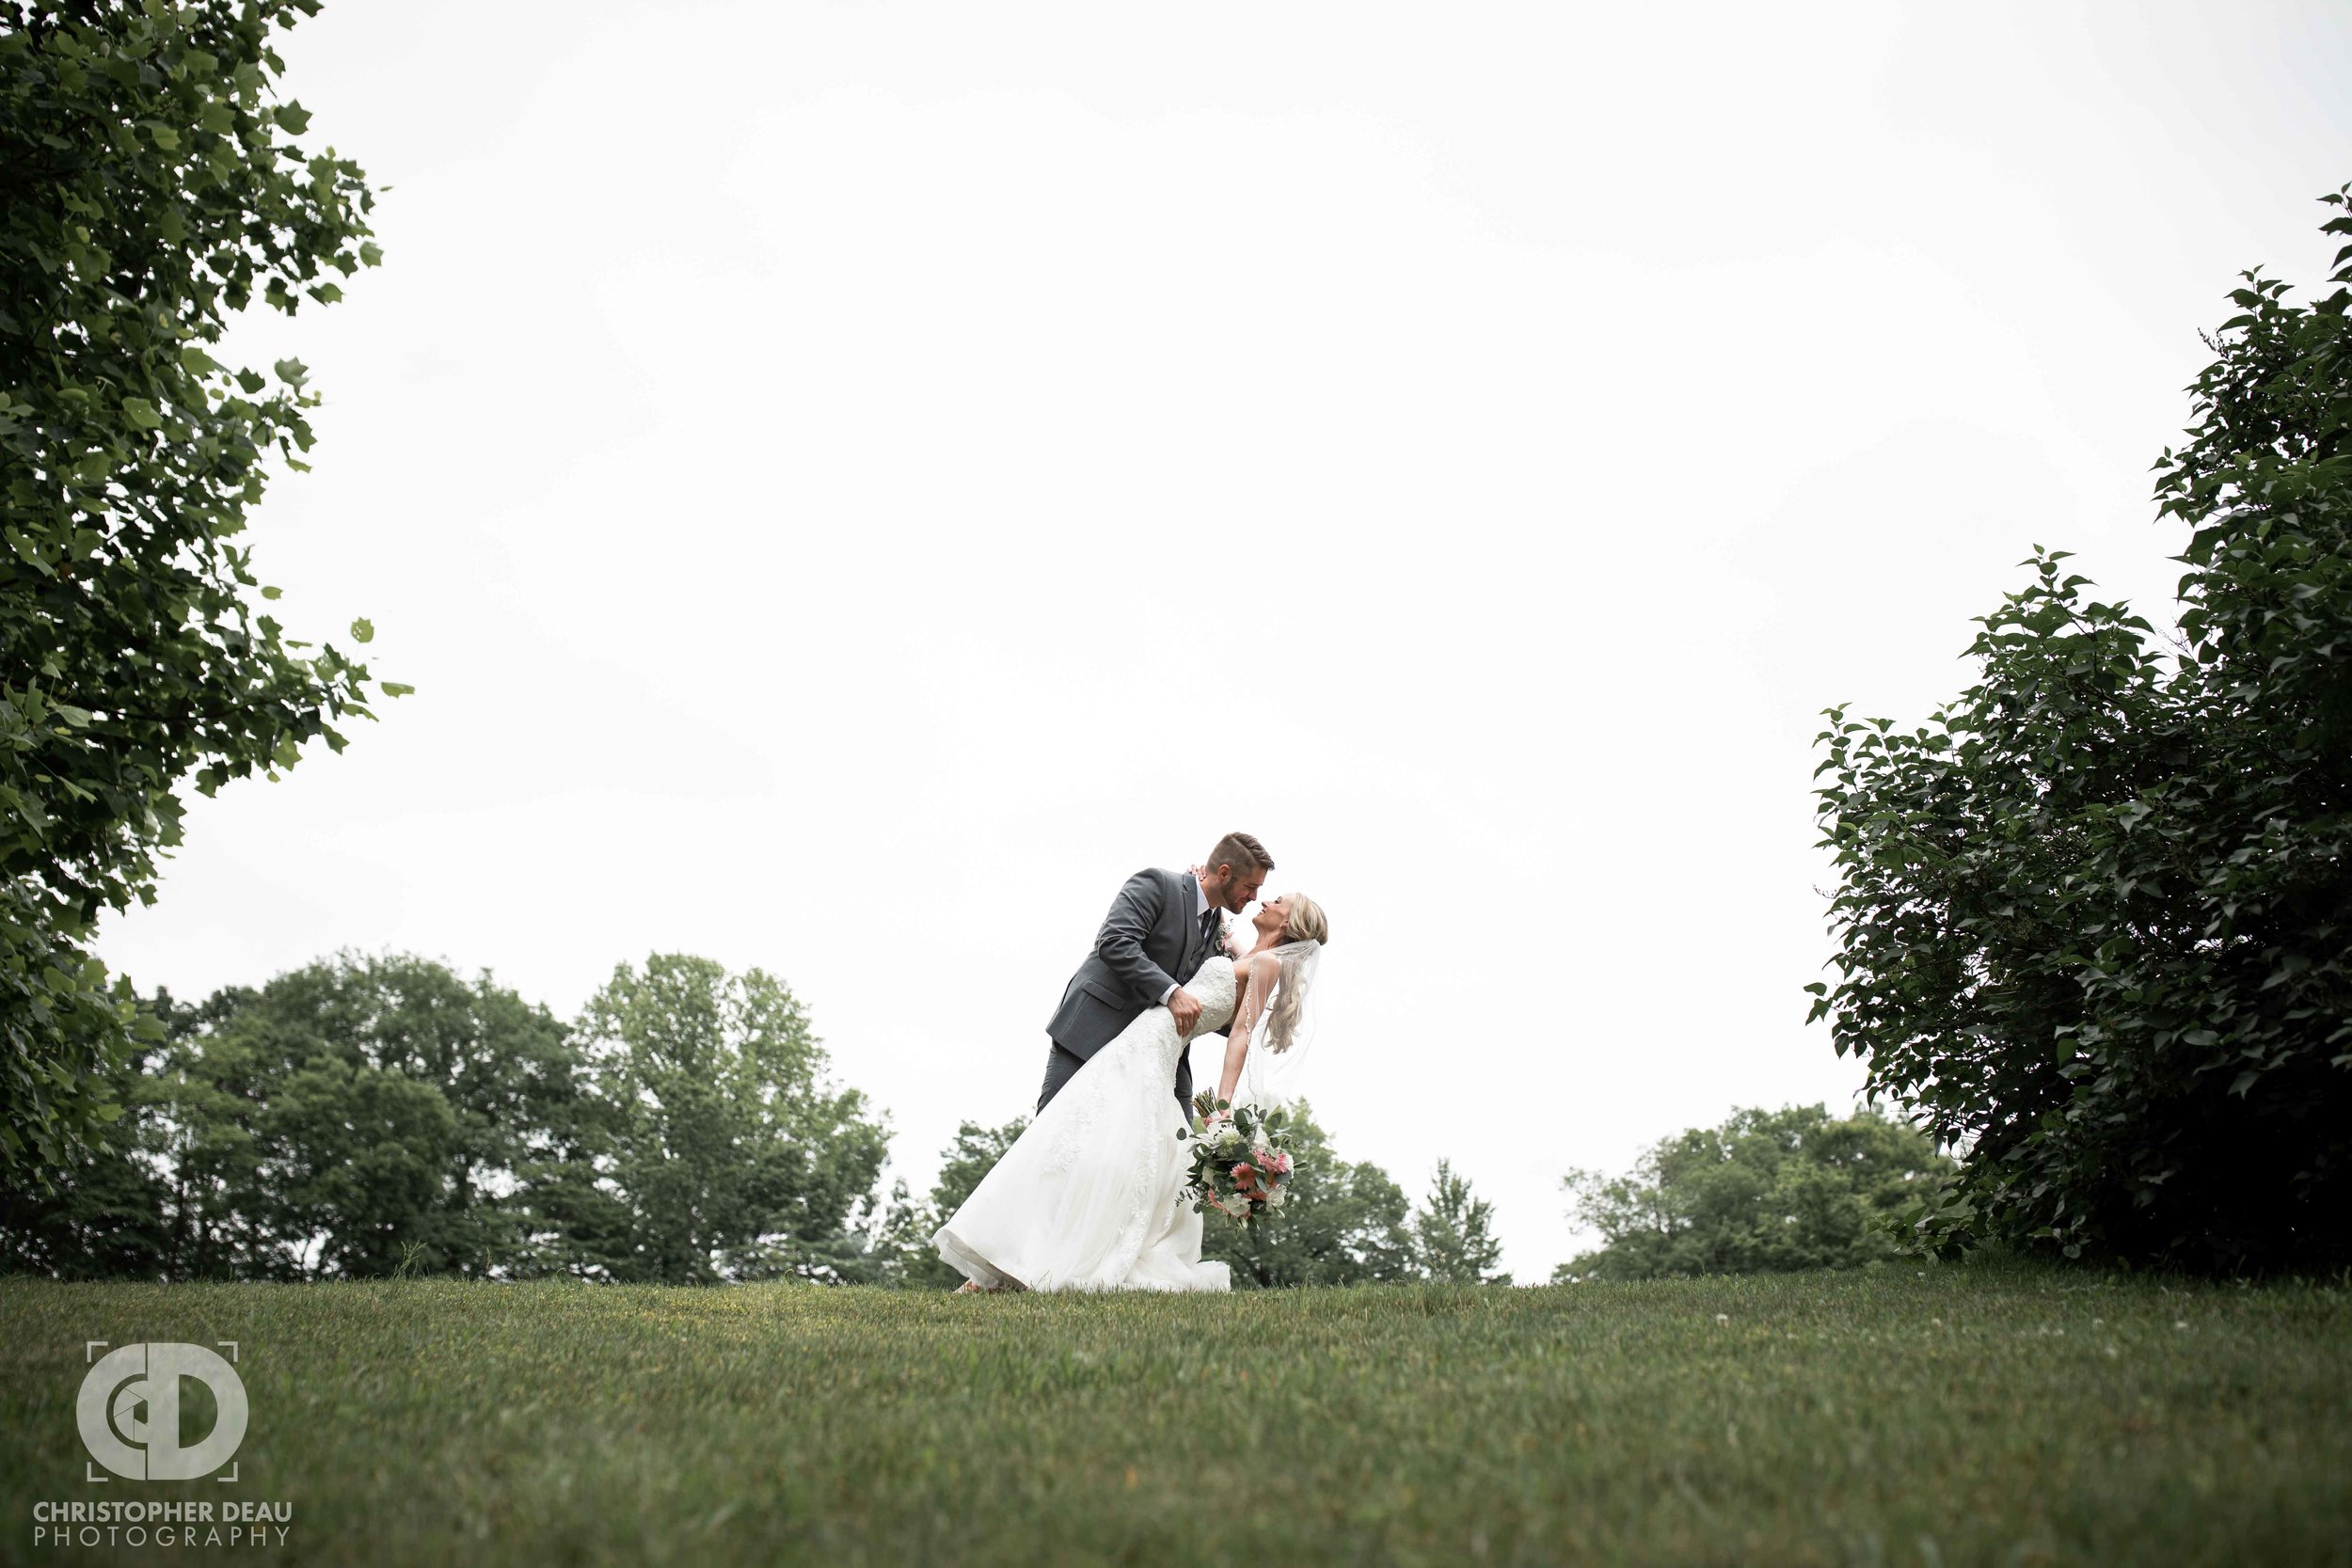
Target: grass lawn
x=1991 y=1414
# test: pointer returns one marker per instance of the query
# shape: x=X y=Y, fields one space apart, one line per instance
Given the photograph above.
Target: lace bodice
x=1213 y=986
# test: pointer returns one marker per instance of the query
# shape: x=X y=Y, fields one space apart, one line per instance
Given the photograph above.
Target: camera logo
x=130 y=1411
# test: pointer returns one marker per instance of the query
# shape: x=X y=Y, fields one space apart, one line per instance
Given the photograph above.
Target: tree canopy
x=154 y=189
x=2093 y=918
x=1764 y=1192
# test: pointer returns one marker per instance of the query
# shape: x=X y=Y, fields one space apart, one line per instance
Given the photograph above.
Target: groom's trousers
x=1061 y=1065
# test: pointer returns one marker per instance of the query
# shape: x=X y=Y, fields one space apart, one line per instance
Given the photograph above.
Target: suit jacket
x=1150 y=941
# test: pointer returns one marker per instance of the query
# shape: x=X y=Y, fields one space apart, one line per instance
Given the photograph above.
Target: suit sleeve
x=1119 y=942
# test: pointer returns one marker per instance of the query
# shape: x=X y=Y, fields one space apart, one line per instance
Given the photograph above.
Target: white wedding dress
x=1086 y=1198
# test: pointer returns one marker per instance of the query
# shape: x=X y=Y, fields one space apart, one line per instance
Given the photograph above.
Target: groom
x=1161 y=929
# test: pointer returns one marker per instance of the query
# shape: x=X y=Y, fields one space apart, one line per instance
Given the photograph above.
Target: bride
x=1089 y=1196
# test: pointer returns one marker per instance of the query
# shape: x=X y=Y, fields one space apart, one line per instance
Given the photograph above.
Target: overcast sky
x=854 y=481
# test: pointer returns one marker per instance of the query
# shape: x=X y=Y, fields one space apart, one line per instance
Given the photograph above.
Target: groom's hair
x=1240 y=851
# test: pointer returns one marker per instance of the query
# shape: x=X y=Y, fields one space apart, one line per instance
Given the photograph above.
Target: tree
x=1765 y=1192
x=505 y=1072
x=728 y=1153
x=152 y=191
x=2093 y=918
x=1453 y=1239
x=397 y=1106
x=1341 y=1224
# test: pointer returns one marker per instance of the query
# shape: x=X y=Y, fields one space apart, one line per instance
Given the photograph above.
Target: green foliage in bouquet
x=2094 y=918
x=149 y=190
x=1239 y=1165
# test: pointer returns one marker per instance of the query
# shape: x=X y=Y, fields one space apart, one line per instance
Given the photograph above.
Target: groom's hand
x=1187 y=1008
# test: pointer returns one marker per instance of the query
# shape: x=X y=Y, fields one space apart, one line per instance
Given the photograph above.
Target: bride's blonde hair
x=1306 y=922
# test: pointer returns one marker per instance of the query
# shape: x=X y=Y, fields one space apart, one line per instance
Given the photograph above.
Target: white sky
x=854 y=481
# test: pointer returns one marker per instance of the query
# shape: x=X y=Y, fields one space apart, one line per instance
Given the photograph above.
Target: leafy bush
x=2093 y=918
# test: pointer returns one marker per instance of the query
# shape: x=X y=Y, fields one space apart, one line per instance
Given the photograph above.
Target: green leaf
x=142 y=413
x=363 y=631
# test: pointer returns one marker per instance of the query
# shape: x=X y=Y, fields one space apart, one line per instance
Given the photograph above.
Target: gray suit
x=1150 y=941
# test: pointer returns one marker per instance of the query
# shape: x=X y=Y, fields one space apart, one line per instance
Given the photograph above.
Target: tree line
x=366 y=1117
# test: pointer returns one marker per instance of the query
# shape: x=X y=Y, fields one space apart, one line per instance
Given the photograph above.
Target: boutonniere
x=1225 y=941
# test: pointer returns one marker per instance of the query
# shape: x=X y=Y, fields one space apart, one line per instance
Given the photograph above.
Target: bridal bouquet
x=1239 y=1166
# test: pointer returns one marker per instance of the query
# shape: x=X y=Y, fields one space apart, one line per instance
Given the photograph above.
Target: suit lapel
x=1192 y=914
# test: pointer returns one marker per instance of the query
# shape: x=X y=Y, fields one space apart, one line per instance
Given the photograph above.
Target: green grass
x=1983 y=1415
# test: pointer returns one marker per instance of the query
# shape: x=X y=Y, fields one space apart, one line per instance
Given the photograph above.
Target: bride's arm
x=1254 y=977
